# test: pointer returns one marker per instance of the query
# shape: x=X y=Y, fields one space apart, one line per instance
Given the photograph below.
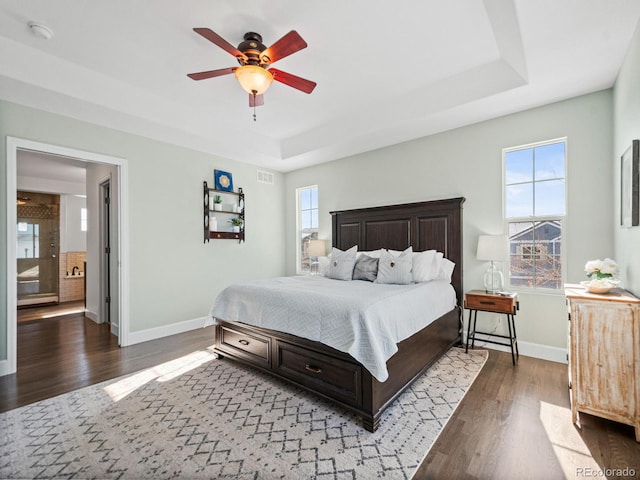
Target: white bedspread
x=363 y=319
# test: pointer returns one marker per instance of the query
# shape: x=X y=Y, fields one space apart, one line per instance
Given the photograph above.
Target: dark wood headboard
x=434 y=225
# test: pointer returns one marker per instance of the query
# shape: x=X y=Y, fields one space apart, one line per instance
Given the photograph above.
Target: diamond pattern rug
x=199 y=417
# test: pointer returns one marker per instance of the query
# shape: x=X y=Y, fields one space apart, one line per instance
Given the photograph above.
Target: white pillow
x=446 y=270
x=437 y=262
x=323 y=265
x=396 y=253
x=341 y=263
x=424 y=266
x=395 y=269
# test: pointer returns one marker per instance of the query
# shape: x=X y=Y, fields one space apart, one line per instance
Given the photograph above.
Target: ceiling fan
x=255 y=74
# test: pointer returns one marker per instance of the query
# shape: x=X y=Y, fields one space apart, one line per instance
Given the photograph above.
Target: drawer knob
x=312 y=369
x=244 y=342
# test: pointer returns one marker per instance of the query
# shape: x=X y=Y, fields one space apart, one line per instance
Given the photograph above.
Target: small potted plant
x=217 y=203
x=236 y=223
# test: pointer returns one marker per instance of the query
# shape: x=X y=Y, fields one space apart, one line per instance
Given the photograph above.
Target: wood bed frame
x=336 y=375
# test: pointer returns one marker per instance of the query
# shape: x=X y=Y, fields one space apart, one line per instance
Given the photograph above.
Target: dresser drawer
x=244 y=344
x=490 y=303
x=332 y=376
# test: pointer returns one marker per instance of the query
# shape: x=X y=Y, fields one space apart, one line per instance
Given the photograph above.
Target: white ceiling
x=387 y=71
x=52 y=167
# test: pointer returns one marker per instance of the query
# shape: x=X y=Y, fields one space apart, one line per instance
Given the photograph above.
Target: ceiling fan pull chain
x=254 y=105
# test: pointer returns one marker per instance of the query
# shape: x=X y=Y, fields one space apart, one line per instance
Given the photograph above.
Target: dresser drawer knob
x=243 y=342
x=312 y=369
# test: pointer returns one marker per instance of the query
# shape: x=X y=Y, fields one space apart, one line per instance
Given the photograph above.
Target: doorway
x=119 y=276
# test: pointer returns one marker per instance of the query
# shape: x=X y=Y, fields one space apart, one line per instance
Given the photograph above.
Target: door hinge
x=107 y=200
x=107 y=250
x=107 y=300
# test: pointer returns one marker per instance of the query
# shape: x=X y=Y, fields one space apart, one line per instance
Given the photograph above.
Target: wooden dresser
x=604 y=355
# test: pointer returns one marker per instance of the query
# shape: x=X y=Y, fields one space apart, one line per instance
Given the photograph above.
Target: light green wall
x=173 y=276
x=626 y=95
x=468 y=162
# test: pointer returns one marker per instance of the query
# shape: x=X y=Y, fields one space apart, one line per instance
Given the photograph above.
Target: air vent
x=265 y=177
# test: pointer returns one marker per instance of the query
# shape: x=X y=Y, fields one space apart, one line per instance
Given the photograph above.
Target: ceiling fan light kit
x=254 y=58
x=253 y=79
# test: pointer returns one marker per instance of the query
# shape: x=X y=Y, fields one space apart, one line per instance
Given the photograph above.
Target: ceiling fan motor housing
x=252 y=47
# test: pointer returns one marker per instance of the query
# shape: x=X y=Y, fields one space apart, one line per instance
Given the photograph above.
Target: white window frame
x=299 y=232
x=83 y=219
x=540 y=218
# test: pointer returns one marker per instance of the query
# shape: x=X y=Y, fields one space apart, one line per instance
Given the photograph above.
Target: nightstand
x=506 y=303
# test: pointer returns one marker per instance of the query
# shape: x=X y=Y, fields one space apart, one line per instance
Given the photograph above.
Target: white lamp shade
x=316 y=248
x=254 y=79
x=492 y=248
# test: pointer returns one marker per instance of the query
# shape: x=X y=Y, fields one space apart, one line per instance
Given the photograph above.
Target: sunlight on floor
x=572 y=453
x=67 y=311
x=161 y=373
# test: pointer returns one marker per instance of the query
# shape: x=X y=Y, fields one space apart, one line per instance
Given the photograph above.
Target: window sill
x=536 y=291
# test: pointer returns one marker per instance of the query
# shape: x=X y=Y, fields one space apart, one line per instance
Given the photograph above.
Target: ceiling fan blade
x=290 y=43
x=294 y=81
x=219 y=41
x=259 y=100
x=211 y=73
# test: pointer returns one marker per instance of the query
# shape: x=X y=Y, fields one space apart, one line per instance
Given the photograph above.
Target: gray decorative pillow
x=341 y=263
x=366 y=268
x=395 y=269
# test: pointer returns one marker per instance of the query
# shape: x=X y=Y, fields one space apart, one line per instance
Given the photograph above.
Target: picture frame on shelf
x=223 y=180
x=630 y=186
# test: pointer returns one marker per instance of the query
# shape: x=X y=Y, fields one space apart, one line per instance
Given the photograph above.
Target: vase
x=217 y=207
x=600 y=285
x=493 y=280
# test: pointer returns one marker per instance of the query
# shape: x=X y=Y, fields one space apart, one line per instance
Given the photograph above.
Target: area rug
x=200 y=417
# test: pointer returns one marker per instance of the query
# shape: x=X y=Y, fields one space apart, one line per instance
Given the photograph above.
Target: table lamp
x=493 y=248
x=316 y=249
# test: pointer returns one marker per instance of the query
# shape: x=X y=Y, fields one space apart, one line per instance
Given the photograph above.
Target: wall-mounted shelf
x=233 y=199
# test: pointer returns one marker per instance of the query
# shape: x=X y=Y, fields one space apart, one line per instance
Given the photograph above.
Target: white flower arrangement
x=602 y=275
x=599 y=269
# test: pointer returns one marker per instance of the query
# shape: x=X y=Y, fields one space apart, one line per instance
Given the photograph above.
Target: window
x=28 y=240
x=307 y=209
x=535 y=207
x=83 y=219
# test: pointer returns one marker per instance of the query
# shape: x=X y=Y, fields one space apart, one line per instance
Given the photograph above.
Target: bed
x=352 y=381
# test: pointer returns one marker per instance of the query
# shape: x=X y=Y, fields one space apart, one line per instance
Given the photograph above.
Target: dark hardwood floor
x=515 y=422
x=61 y=354
x=49 y=311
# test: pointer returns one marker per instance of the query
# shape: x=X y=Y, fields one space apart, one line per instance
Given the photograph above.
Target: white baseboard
x=167 y=330
x=528 y=349
x=91 y=315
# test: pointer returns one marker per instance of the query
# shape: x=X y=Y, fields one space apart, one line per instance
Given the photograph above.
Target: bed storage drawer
x=334 y=377
x=244 y=344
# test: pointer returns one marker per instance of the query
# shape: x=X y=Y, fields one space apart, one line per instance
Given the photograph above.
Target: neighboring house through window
x=535 y=207
x=307 y=211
